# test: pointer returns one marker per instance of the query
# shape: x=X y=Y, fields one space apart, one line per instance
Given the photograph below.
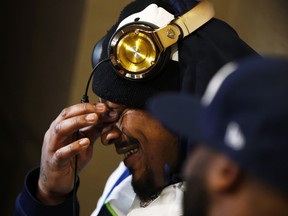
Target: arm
x=28 y=204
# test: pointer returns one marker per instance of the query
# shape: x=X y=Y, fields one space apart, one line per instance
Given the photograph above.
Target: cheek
x=170 y=153
x=163 y=152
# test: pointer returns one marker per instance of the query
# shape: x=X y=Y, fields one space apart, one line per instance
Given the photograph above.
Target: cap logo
x=234 y=137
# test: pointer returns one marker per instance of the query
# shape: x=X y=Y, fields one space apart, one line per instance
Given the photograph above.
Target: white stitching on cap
x=217 y=81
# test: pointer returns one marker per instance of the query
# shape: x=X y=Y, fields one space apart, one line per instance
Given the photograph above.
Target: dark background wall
x=38 y=54
x=46 y=48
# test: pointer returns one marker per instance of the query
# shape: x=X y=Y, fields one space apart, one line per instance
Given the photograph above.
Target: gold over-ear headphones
x=137 y=49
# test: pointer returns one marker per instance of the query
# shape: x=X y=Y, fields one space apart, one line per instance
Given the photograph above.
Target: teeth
x=133 y=151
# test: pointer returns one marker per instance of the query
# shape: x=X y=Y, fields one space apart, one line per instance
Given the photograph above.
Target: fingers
x=87 y=120
x=104 y=112
x=81 y=109
x=77 y=117
x=69 y=151
x=116 y=107
x=72 y=124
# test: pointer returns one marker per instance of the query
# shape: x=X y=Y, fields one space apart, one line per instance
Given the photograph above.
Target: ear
x=223 y=174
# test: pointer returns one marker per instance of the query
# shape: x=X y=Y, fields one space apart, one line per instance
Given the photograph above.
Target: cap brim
x=177 y=112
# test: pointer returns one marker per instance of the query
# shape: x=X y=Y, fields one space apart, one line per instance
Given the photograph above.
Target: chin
x=145 y=186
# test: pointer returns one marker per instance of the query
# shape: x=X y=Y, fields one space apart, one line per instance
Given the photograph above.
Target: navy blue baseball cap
x=243 y=113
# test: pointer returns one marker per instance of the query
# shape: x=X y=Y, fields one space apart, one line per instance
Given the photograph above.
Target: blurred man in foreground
x=239 y=165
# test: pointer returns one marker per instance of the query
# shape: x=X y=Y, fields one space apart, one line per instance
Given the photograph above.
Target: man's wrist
x=49 y=198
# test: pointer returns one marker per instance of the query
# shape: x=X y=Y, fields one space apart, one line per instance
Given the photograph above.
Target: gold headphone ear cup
x=133 y=51
x=159 y=67
x=136 y=52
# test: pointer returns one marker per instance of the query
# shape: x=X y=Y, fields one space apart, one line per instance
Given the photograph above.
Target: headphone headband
x=185 y=24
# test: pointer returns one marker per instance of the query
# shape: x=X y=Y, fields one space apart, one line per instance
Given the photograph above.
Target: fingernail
x=84 y=142
x=100 y=107
x=91 y=117
x=112 y=114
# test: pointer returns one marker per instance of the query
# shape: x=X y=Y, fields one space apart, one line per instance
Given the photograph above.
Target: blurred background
x=46 y=61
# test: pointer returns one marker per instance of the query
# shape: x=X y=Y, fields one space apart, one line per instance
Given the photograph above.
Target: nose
x=111 y=135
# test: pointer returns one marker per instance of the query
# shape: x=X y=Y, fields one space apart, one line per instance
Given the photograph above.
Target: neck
x=250 y=201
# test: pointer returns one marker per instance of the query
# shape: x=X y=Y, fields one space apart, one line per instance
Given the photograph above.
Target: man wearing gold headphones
x=156 y=46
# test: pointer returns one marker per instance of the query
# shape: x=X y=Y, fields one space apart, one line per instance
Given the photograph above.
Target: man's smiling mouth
x=131 y=152
x=128 y=147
